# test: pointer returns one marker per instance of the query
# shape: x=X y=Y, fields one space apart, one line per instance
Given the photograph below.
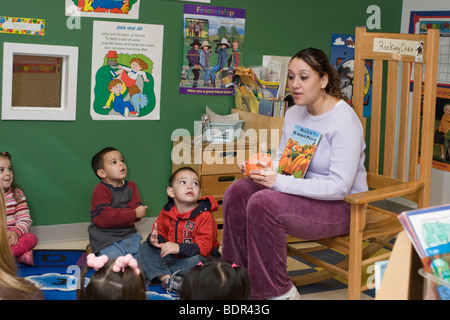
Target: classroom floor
x=325 y=291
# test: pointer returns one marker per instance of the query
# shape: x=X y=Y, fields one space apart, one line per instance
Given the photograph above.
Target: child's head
x=6 y=171
x=447 y=108
x=119 y=279
x=108 y=165
x=216 y=280
x=138 y=64
x=115 y=86
x=184 y=186
x=132 y=90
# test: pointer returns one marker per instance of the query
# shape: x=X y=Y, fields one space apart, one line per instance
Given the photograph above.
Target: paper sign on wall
x=399 y=47
x=27 y=26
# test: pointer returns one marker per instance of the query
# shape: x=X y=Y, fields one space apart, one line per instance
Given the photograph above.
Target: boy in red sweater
x=115 y=207
x=184 y=234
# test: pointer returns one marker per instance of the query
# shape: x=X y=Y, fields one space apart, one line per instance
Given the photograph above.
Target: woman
x=11 y=286
x=260 y=211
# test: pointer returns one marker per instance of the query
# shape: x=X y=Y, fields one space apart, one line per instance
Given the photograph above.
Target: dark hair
x=319 y=62
x=14 y=186
x=216 y=279
x=97 y=159
x=172 y=177
x=106 y=284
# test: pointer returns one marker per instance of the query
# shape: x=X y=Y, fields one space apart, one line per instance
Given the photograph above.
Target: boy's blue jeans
x=154 y=266
x=123 y=247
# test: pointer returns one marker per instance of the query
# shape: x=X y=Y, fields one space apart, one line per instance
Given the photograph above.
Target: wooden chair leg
x=357 y=223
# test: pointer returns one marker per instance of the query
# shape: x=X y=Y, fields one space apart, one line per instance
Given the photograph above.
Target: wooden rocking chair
x=393 y=171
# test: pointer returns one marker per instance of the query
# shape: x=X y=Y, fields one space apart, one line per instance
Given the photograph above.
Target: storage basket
x=223 y=132
x=434 y=288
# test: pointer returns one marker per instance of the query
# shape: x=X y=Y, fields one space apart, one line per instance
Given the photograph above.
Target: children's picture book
x=428 y=229
x=299 y=151
x=429 y=232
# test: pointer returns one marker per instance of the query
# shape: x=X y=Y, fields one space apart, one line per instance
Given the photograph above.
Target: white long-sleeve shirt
x=337 y=168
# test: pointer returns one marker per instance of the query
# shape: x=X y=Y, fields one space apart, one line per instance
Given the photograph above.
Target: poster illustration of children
x=129 y=74
x=220 y=27
x=113 y=84
x=126 y=71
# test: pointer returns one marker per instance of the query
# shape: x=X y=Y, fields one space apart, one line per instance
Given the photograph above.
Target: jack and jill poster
x=126 y=71
x=213 y=46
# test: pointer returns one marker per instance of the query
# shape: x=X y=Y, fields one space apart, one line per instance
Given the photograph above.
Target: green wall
x=52 y=159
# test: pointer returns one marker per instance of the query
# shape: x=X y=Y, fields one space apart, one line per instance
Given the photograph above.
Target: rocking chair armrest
x=384 y=193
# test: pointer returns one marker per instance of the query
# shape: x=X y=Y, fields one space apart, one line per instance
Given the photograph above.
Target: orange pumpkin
x=258 y=161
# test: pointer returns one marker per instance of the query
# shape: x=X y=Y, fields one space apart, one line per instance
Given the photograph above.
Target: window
x=39 y=82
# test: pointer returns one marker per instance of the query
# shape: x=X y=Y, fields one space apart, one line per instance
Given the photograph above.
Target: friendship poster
x=126 y=71
x=213 y=47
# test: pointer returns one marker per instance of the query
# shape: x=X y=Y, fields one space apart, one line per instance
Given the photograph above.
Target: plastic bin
x=434 y=288
x=223 y=132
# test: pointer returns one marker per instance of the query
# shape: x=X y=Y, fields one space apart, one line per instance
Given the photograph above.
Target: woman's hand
x=265 y=177
x=241 y=166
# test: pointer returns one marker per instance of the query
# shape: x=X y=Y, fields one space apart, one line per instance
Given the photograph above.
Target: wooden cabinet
x=216 y=164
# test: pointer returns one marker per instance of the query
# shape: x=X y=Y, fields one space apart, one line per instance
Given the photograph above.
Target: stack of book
x=429 y=231
x=272 y=108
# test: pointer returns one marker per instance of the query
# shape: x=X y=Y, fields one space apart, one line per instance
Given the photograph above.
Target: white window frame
x=69 y=68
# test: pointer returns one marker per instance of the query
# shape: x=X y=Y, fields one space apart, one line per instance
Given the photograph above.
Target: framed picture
x=39 y=82
x=420 y=22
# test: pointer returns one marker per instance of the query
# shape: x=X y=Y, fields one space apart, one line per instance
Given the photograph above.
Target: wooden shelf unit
x=216 y=164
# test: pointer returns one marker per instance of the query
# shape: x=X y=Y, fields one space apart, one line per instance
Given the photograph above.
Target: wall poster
x=213 y=47
x=122 y=9
x=420 y=22
x=342 y=59
x=126 y=71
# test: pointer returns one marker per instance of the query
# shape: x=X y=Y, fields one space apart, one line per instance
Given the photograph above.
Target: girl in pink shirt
x=18 y=220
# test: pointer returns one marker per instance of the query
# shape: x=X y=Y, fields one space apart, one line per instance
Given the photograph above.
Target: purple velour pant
x=256 y=221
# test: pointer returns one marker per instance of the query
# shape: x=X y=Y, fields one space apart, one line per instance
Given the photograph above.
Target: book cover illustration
x=429 y=232
x=299 y=151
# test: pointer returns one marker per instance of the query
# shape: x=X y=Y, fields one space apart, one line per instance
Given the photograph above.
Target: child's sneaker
x=172 y=283
x=27 y=258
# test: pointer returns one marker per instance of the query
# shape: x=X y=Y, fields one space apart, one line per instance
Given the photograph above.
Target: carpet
x=336 y=283
x=56 y=273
